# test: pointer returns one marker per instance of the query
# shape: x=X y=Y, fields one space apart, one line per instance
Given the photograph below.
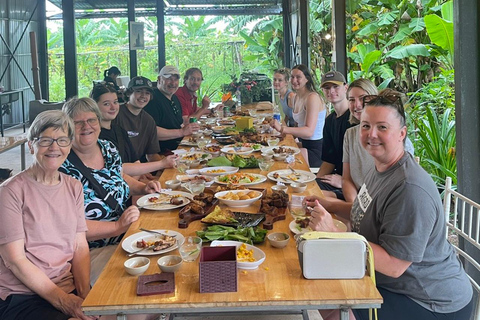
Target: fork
x=156 y=232
x=294 y=172
x=131 y=254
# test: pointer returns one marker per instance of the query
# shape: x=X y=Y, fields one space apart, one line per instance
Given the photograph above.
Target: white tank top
x=301 y=118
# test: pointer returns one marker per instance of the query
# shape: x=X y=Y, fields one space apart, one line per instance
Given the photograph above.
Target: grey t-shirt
x=401 y=210
x=360 y=161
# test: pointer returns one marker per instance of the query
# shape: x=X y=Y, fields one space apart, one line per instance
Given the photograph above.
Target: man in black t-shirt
x=166 y=110
x=329 y=177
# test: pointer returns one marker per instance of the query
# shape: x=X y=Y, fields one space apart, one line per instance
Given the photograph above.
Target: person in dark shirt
x=166 y=110
x=329 y=176
x=110 y=77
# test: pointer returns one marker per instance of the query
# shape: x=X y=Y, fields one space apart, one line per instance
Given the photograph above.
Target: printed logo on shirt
x=364 y=198
x=132 y=134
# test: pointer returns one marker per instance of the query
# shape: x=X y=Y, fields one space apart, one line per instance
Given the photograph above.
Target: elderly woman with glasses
x=399 y=211
x=45 y=263
x=97 y=164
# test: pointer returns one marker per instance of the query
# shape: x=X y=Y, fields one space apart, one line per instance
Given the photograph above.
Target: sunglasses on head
x=389 y=99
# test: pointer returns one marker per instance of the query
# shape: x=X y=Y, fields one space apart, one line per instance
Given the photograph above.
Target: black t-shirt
x=167 y=114
x=119 y=137
x=333 y=132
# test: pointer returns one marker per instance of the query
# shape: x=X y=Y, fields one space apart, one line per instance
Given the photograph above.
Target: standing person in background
x=166 y=110
x=281 y=81
x=329 y=177
x=45 y=263
x=309 y=112
x=106 y=99
x=110 y=76
x=187 y=95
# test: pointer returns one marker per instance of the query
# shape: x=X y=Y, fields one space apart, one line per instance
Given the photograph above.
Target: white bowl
x=218 y=171
x=258 y=254
x=172 y=184
x=218 y=129
x=137 y=265
x=298 y=187
x=280 y=156
x=279 y=187
x=170 y=263
x=278 y=239
x=238 y=203
x=237 y=150
x=207 y=132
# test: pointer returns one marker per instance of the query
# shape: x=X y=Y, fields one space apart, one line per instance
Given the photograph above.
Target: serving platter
x=258 y=179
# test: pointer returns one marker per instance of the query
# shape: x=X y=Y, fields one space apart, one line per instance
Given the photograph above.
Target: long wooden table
x=276 y=286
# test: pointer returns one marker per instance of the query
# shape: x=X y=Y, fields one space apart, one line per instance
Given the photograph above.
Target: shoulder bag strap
x=87 y=173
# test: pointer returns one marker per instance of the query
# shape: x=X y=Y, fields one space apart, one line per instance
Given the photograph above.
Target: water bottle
x=238 y=94
x=276 y=113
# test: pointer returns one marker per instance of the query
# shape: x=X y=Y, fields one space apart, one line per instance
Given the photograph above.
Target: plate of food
x=190 y=177
x=226 y=122
x=195 y=156
x=248 y=257
x=237 y=150
x=189 y=142
x=280 y=150
x=166 y=200
x=217 y=171
x=288 y=176
x=238 y=198
x=300 y=225
x=213 y=149
x=254 y=146
x=241 y=178
x=151 y=243
x=227 y=217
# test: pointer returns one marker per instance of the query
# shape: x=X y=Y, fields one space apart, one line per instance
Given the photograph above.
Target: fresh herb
x=248 y=235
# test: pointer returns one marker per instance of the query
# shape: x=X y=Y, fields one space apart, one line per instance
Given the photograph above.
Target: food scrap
x=158 y=243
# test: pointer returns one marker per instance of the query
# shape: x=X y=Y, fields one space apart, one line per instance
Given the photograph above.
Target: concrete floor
x=11 y=158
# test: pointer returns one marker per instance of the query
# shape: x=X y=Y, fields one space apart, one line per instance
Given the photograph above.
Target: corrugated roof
x=96 y=8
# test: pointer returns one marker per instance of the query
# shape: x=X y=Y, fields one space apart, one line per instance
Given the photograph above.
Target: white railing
x=463 y=221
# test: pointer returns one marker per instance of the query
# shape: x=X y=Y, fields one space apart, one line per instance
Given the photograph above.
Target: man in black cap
x=139 y=125
x=166 y=110
x=329 y=177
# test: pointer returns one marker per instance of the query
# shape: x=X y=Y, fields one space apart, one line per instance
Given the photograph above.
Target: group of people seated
x=63 y=217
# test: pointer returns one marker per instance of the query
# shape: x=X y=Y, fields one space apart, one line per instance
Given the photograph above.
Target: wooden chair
x=463 y=230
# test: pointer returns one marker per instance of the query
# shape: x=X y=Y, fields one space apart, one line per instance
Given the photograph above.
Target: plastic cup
x=190 y=249
x=265 y=164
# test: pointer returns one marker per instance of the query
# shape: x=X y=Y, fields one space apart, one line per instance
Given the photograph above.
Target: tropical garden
x=406 y=45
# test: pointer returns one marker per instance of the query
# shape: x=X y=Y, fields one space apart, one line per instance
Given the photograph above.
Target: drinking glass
x=195 y=187
x=297 y=208
x=202 y=142
x=273 y=142
x=181 y=166
x=190 y=249
x=265 y=164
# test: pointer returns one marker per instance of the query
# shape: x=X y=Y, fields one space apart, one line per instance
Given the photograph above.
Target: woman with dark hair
x=399 y=211
x=281 y=81
x=110 y=76
x=309 y=112
x=106 y=99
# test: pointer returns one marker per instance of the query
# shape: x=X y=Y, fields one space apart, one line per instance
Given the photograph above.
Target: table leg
x=305 y=315
x=344 y=314
x=121 y=316
x=22 y=155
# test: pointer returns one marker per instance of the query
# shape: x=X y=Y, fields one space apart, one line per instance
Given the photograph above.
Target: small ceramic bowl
x=137 y=265
x=278 y=239
x=279 y=187
x=298 y=187
x=170 y=263
x=207 y=132
x=172 y=184
x=267 y=156
x=280 y=156
x=218 y=129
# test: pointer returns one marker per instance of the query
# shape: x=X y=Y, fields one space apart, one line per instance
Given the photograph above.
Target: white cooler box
x=332 y=258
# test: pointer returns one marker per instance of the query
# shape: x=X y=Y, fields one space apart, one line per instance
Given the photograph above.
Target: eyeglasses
x=174 y=107
x=81 y=123
x=47 y=142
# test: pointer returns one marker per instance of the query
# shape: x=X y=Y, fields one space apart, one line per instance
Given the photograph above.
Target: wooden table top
x=277 y=284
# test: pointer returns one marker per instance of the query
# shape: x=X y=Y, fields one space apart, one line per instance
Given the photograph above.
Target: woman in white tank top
x=309 y=112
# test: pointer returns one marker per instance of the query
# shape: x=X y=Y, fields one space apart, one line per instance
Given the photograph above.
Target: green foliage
x=251 y=87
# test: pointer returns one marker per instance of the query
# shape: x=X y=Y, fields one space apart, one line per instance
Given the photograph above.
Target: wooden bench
x=463 y=230
x=7 y=143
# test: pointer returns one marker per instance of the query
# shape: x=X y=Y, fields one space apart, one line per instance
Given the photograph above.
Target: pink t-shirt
x=48 y=219
x=187 y=100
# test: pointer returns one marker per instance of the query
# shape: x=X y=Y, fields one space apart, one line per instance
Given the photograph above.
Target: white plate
x=129 y=244
x=208 y=171
x=237 y=203
x=305 y=176
x=237 y=150
x=258 y=254
x=143 y=201
x=261 y=178
x=245 y=145
x=270 y=150
x=179 y=152
x=196 y=156
x=188 y=143
x=187 y=177
x=295 y=228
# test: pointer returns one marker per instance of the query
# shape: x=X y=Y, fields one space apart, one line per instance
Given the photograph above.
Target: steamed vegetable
x=248 y=235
